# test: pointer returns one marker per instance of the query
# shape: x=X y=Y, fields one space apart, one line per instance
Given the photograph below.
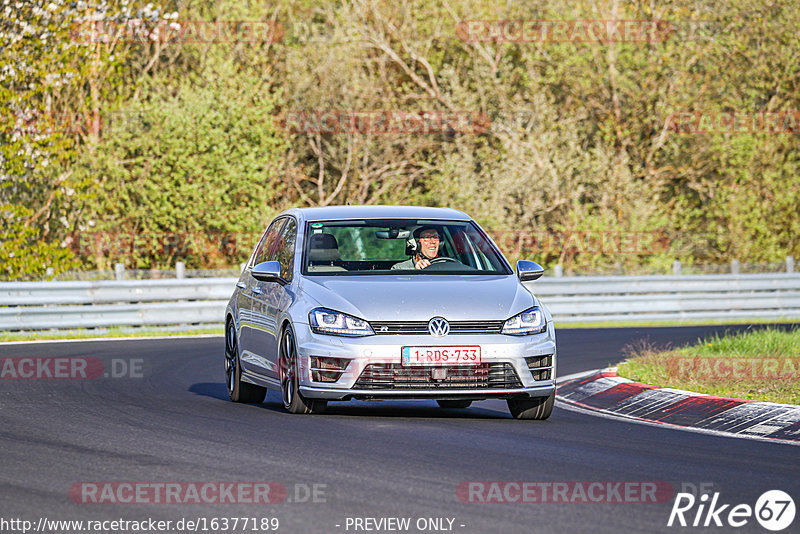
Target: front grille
x=396 y=376
x=421 y=327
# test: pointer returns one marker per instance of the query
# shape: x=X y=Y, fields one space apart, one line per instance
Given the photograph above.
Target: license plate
x=440 y=355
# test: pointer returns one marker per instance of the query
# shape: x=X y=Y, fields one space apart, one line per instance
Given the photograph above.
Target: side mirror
x=529 y=270
x=268 y=271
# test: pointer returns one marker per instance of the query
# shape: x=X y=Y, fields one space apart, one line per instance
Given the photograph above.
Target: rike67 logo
x=774 y=510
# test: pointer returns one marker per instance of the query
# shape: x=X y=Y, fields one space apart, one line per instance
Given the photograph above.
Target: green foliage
x=179 y=174
x=23 y=253
x=50 y=89
x=35 y=189
x=761 y=364
x=577 y=143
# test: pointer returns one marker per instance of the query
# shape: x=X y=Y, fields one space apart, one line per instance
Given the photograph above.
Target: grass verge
x=759 y=365
x=115 y=332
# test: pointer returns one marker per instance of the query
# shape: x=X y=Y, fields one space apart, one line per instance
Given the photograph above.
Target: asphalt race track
x=169 y=420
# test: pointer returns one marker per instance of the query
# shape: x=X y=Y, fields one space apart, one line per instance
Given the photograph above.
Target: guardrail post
x=734 y=266
x=180 y=270
x=676 y=267
x=558 y=271
x=119 y=271
x=789 y=264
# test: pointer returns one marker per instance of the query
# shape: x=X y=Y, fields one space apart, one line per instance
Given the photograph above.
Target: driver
x=427 y=239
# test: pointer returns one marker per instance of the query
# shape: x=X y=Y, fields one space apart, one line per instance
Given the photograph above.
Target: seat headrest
x=323 y=247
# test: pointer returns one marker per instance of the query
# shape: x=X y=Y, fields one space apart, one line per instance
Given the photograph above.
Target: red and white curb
x=605 y=392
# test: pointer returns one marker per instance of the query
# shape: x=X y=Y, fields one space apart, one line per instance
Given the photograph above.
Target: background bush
x=179 y=143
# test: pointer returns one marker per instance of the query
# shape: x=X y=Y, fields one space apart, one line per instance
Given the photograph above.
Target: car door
x=273 y=298
x=244 y=299
x=255 y=319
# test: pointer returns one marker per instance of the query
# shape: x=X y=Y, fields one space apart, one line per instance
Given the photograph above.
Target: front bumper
x=315 y=392
x=385 y=351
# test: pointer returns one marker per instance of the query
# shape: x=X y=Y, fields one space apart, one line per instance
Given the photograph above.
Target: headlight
x=324 y=321
x=530 y=321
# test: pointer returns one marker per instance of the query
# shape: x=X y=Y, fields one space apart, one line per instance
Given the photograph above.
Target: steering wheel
x=444 y=263
x=441 y=259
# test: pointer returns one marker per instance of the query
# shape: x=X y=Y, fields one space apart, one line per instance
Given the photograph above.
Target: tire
x=238 y=390
x=538 y=408
x=454 y=404
x=293 y=401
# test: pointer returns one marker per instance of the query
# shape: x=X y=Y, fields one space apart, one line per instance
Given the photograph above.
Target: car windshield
x=392 y=246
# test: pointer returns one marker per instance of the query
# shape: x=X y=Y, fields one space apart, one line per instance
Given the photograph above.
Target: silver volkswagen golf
x=387 y=302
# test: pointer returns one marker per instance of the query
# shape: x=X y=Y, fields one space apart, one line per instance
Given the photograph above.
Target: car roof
x=329 y=213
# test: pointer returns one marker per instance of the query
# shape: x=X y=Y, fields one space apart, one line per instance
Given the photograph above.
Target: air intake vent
x=379 y=376
x=541 y=367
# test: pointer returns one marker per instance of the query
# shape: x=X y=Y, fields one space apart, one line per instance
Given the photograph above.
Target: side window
x=445 y=243
x=257 y=250
x=284 y=251
x=461 y=248
x=268 y=242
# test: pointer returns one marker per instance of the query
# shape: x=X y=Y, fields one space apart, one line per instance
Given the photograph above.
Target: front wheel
x=293 y=401
x=538 y=408
x=238 y=390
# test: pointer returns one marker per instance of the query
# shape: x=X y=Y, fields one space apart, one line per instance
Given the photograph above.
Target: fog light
x=540 y=366
x=535 y=362
x=327 y=369
x=541 y=375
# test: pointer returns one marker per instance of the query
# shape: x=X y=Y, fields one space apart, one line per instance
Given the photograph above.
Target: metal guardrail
x=44 y=305
x=670 y=298
x=201 y=301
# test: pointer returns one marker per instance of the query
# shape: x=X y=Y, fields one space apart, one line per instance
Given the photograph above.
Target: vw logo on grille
x=438 y=327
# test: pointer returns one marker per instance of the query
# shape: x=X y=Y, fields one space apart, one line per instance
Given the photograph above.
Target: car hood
x=419 y=297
